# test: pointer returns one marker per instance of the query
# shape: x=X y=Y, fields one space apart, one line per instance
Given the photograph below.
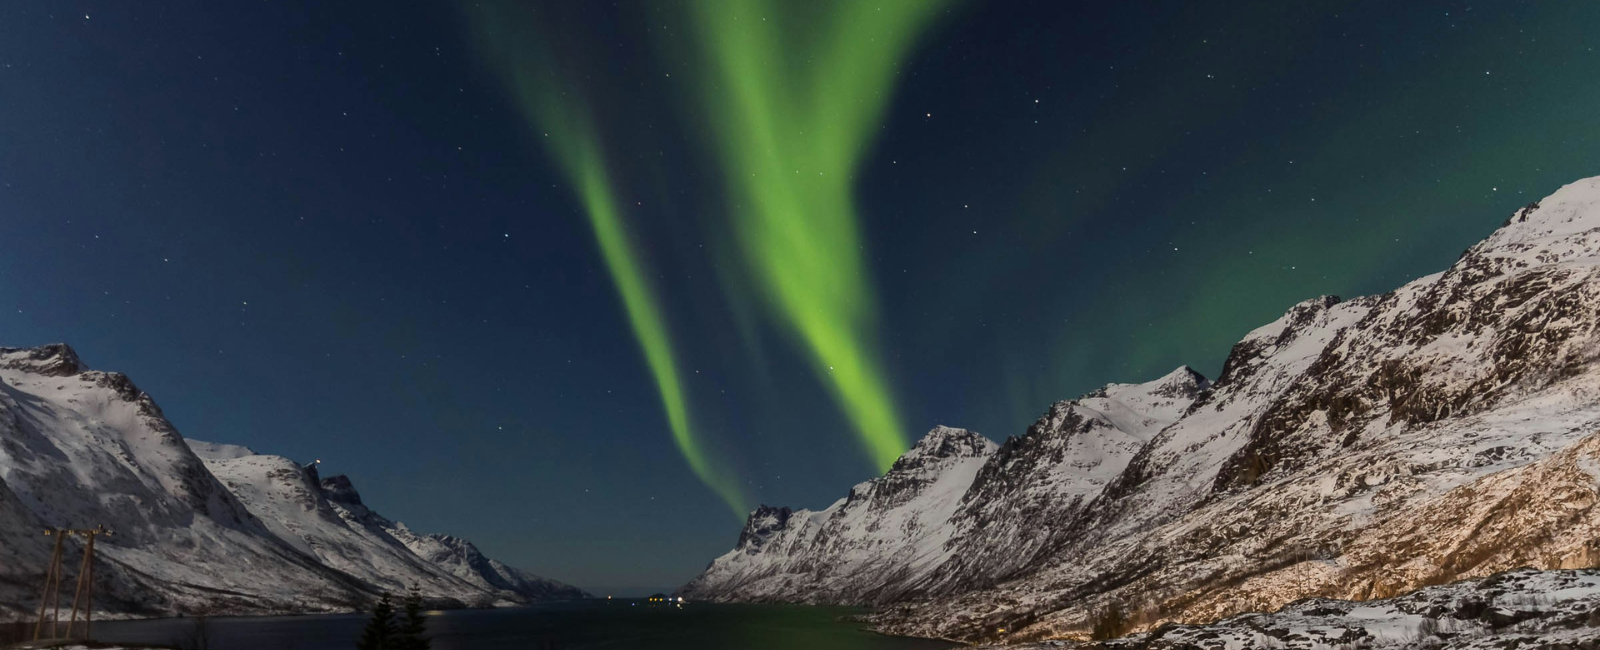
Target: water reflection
x=612 y=625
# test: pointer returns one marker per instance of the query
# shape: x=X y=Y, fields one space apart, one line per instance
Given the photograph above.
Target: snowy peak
x=339 y=489
x=924 y=466
x=1550 y=237
x=54 y=360
x=1141 y=410
x=762 y=524
x=1572 y=214
x=943 y=443
x=79 y=441
x=1256 y=348
x=1182 y=383
x=1118 y=411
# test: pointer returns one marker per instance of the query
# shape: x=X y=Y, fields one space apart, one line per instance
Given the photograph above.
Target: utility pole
x=52 y=590
x=83 y=592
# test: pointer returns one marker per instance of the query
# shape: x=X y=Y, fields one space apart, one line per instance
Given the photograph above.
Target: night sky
x=583 y=282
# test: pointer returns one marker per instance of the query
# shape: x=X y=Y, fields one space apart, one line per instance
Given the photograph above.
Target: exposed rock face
x=1353 y=449
x=198 y=526
x=762 y=525
x=54 y=360
x=1524 y=608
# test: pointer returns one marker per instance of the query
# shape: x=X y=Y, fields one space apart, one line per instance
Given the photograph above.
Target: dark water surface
x=616 y=625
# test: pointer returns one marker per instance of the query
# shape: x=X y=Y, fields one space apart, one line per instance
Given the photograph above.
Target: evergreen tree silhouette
x=380 y=633
x=413 y=625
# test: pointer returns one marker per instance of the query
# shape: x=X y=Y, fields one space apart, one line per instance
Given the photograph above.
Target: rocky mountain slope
x=197 y=526
x=1523 y=608
x=1353 y=449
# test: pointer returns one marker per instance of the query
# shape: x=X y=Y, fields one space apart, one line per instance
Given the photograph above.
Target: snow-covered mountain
x=893 y=528
x=931 y=522
x=199 y=526
x=1353 y=449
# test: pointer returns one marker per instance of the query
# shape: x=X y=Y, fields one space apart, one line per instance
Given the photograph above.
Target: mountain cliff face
x=931 y=522
x=1350 y=449
x=198 y=526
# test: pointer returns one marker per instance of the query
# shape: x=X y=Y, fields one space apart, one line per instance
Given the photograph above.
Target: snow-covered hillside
x=325 y=518
x=931 y=521
x=198 y=526
x=1352 y=449
x=876 y=543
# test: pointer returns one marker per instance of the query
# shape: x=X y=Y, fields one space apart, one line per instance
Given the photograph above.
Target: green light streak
x=798 y=90
x=561 y=112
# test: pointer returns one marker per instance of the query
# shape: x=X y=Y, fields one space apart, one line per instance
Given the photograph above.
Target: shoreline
x=120 y=617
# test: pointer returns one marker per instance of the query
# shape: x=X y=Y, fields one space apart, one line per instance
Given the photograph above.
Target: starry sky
x=583 y=282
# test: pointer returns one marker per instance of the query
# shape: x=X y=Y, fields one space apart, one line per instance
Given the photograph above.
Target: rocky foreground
x=1517 y=609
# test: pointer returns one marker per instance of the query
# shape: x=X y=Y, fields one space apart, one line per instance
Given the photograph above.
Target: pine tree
x=413 y=625
x=380 y=631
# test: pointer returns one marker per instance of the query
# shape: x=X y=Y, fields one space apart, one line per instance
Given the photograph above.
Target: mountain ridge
x=1303 y=470
x=81 y=447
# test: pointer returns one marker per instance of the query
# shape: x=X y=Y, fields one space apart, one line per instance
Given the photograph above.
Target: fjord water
x=612 y=625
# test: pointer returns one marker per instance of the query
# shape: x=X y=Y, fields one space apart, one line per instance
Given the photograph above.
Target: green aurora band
x=795 y=93
x=576 y=146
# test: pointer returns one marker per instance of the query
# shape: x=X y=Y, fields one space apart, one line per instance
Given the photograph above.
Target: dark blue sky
x=327 y=230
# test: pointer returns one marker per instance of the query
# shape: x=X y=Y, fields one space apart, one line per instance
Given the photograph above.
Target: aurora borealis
x=580 y=280
x=793 y=110
x=792 y=96
x=554 y=105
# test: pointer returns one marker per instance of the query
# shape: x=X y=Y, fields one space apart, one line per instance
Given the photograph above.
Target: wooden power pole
x=83 y=592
